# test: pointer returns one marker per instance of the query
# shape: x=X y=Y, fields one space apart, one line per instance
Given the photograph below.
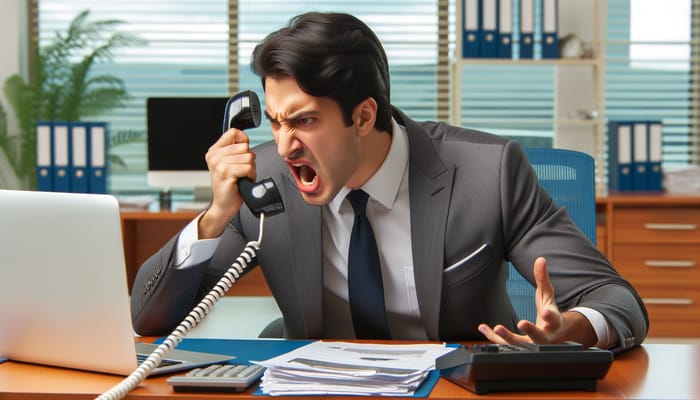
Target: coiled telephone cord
x=191 y=320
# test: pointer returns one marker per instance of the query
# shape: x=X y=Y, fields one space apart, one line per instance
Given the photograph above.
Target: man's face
x=321 y=152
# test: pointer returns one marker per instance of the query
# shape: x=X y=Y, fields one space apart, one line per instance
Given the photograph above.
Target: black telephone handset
x=243 y=112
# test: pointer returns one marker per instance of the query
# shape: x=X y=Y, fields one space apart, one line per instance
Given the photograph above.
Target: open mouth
x=306 y=177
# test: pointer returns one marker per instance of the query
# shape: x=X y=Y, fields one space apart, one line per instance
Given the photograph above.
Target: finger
x=542 y=277
x=490 y=334
x=535 y=334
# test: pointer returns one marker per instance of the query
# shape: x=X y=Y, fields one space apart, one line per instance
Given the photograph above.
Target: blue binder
x=550 y=28
x=61 y=157
x=619 y=156
x=79 y=157
x=489 y=29
x=640 y=156
x=471 y=35
x=505 y=29
x=654 y=169
x=97 y=165
x=44 y=156
x=527 y=28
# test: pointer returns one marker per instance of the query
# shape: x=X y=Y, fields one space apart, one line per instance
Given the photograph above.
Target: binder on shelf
x=44 y=156
x=489 y=29
x=550 y=28
x=61 y=157
x=527 y=28
x=505 y=28
x=619 y=156
x=654 y=170
x=97 y=156
x=471 y=34
x=79 y=157
x=640 y=157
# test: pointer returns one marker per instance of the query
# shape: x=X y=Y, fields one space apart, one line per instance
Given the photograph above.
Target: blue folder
x=44 y=156
x=247 y=350
x=471 y=28
x=619 y=156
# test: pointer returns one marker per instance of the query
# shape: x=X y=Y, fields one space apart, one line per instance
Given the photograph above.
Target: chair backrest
x=569 y=178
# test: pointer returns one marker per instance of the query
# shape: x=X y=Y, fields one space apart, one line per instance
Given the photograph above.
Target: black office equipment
x=485 y=368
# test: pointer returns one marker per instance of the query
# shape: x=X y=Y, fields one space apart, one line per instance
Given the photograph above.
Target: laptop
x=64 y=299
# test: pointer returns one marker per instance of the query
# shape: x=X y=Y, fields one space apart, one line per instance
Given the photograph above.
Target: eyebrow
x=294 y=117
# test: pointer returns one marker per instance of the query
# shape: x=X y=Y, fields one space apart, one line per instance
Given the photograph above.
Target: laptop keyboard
x=163 y=363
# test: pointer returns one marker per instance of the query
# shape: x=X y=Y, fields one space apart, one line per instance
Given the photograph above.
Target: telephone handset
x=263 y=199
x=243 y=112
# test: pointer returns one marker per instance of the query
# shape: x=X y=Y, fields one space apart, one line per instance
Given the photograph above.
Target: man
x=447 y=206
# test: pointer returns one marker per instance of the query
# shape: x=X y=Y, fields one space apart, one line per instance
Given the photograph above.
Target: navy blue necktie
x=365 y=287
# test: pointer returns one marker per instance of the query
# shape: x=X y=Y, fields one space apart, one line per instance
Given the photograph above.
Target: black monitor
x=180 y=131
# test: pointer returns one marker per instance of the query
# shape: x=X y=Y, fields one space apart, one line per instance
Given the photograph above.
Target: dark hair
x=329 y=55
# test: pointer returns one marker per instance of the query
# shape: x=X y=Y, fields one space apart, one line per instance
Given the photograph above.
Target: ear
x=364 y=116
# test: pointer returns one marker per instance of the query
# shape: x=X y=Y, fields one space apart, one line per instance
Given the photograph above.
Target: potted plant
x=61 y=88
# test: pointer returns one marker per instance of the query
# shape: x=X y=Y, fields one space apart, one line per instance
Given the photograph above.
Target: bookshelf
x=579 y=84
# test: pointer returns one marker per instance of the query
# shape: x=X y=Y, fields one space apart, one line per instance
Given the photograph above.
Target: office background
x=538 y=102
x=648 y=69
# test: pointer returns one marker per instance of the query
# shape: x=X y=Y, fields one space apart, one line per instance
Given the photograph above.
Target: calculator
x=217 y=378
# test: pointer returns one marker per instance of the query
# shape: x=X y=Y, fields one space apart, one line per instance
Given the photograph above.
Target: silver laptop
x=63 y=294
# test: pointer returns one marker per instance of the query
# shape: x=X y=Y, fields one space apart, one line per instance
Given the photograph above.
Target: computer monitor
x=180 y=131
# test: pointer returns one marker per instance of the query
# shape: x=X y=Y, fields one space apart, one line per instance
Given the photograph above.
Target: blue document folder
x=79 y=157
x=550 y=27
x=44 y=156
x=97 y=161
x=655 y=147
x=619 y=156
x=640 y=156
x=471 y=28
x=489 y=29
x=527 y=28
x=61 y=157
x=505 y=29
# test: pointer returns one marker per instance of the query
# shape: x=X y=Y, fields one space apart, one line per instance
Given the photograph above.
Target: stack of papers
x=340 y=368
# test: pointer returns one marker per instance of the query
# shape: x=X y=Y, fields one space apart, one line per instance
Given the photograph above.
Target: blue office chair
x=569 y=178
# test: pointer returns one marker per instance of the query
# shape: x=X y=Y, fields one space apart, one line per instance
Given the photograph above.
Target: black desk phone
x=484 y=368
x=243 y=112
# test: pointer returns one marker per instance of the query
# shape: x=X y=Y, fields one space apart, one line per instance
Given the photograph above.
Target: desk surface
x=653 y=371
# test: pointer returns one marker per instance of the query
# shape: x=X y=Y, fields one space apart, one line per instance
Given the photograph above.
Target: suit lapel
x=430 y=188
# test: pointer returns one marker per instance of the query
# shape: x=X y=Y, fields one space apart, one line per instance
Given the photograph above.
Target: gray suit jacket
x=467 y=189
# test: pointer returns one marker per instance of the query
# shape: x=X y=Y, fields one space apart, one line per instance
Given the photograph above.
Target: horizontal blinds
x=509 y=100
x=650 y=87
x=408 y=29
x=188 y=55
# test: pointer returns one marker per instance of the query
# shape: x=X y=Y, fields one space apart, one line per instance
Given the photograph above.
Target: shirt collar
x=384 y=185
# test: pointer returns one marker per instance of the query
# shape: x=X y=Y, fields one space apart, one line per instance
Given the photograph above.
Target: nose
x=288 y=146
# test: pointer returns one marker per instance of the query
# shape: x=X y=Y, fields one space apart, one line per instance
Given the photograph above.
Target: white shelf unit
x=579 y=83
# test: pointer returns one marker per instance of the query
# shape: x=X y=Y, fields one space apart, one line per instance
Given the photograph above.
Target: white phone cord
x=193 y=318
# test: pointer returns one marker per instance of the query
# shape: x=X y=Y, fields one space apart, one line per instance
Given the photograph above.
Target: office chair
x=569 y=178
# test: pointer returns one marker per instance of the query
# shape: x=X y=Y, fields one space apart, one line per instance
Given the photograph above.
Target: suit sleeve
x=162 y=294
x=534 y=226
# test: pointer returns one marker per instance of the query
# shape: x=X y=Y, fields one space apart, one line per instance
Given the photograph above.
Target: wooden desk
x=653 y=371
x=144 y=232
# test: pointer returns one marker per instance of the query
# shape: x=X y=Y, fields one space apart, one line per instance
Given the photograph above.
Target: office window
x=188 y=55
x=649 y=69
x=192 y=43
